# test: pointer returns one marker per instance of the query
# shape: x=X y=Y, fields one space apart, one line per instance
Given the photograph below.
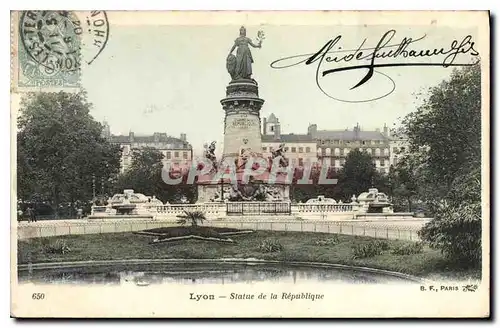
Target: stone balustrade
x=210 y=210
x=322 y=208
x=217 y=210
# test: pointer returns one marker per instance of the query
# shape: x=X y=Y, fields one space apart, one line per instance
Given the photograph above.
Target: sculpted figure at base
x=277 y=155
x=210 y=155
x=240 y=66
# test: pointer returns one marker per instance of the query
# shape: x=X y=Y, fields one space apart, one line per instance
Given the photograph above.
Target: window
x=377 y=152
x=272 y=128
x=294 y=150
x=301 y=149
x=382 y=163
x=308 y=149
x=346 y=151
x=386 y=151
x=264 y=148
x=176 y=154
x=328 y=151
x=169 y=155
x=185 y=155
x=364 y=142
x=337 y=163
x=337 y=152
x=301 y=162
x=287 y=148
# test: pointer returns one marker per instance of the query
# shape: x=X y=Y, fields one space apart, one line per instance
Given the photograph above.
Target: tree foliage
x=359 y=174
x=446 y=130
x=60 y=149
x=145 y=176
x=445 y=163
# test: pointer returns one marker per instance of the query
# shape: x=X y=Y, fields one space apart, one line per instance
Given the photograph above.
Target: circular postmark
x=98 y=34
x=52 y=39
x=59 y=41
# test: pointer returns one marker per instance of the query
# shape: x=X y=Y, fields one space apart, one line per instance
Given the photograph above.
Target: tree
x=445 y=135
x=60 y=148
x=144 y=176
x=193 y=217
x=456 y=228
x=404 y=177
x=446 y=130
x=358 y=175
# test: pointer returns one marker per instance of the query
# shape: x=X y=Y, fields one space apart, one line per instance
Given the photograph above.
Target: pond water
x=202 y=273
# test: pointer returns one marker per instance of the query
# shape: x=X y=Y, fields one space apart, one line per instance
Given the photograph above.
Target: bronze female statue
x=240 y=66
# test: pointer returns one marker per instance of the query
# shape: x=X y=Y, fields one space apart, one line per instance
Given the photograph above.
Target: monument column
x=242 y=131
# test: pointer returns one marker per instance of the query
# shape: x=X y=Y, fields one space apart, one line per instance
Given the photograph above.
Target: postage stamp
x=250 y=164
x=51 y=47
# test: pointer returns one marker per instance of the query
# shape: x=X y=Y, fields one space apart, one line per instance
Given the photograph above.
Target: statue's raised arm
x=239 y=66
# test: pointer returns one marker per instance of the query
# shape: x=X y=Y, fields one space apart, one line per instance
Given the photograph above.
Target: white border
x=185 y=5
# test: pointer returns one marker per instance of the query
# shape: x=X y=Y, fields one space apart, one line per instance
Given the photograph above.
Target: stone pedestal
x=242 y=132
x=242 y=140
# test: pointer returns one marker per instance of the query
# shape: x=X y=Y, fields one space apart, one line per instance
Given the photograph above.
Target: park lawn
x=297 y=246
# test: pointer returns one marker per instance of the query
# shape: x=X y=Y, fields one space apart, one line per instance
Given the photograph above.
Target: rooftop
x=348 y=135
x=288 y=138
x=155 y=138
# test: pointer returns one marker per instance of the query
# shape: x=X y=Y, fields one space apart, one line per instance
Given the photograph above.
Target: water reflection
x=183 y=273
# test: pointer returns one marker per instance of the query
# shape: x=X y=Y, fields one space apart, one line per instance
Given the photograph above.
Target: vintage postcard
x=250 y=164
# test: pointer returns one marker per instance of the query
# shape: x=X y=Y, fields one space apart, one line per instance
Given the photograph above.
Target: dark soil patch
x=189 y=230
x=197 y=232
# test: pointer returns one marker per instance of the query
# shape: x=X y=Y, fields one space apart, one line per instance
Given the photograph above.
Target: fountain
x=126 y=205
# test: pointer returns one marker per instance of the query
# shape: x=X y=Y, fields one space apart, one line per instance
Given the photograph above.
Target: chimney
x=312 y=129
x=356 y=131
x=131 y=136
x=106 y=131
x=264 y=126
x=386 y=130
x=183 y=137
x=277 y=132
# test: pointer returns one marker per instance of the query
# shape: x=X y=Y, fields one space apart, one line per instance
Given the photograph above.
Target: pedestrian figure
x=33 y=215
x=28 y=212
x=79 y=213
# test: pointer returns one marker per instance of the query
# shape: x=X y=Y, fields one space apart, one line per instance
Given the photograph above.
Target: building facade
x=300 y=149
x=399 y=145
x=177 y=152
x=333 y=146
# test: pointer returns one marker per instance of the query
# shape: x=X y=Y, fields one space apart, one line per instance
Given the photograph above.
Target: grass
x=296 y=246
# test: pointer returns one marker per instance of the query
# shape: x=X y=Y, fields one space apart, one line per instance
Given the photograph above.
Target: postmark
x=53 y=46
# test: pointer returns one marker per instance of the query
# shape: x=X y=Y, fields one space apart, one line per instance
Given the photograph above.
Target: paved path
x=405 y=229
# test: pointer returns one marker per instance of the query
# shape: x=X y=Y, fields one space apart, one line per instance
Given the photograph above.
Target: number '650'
x=38 y=296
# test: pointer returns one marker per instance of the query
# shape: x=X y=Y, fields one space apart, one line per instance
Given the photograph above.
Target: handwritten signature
x=383 y=50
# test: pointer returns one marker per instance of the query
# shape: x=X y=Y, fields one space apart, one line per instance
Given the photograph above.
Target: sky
x=171 y=78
